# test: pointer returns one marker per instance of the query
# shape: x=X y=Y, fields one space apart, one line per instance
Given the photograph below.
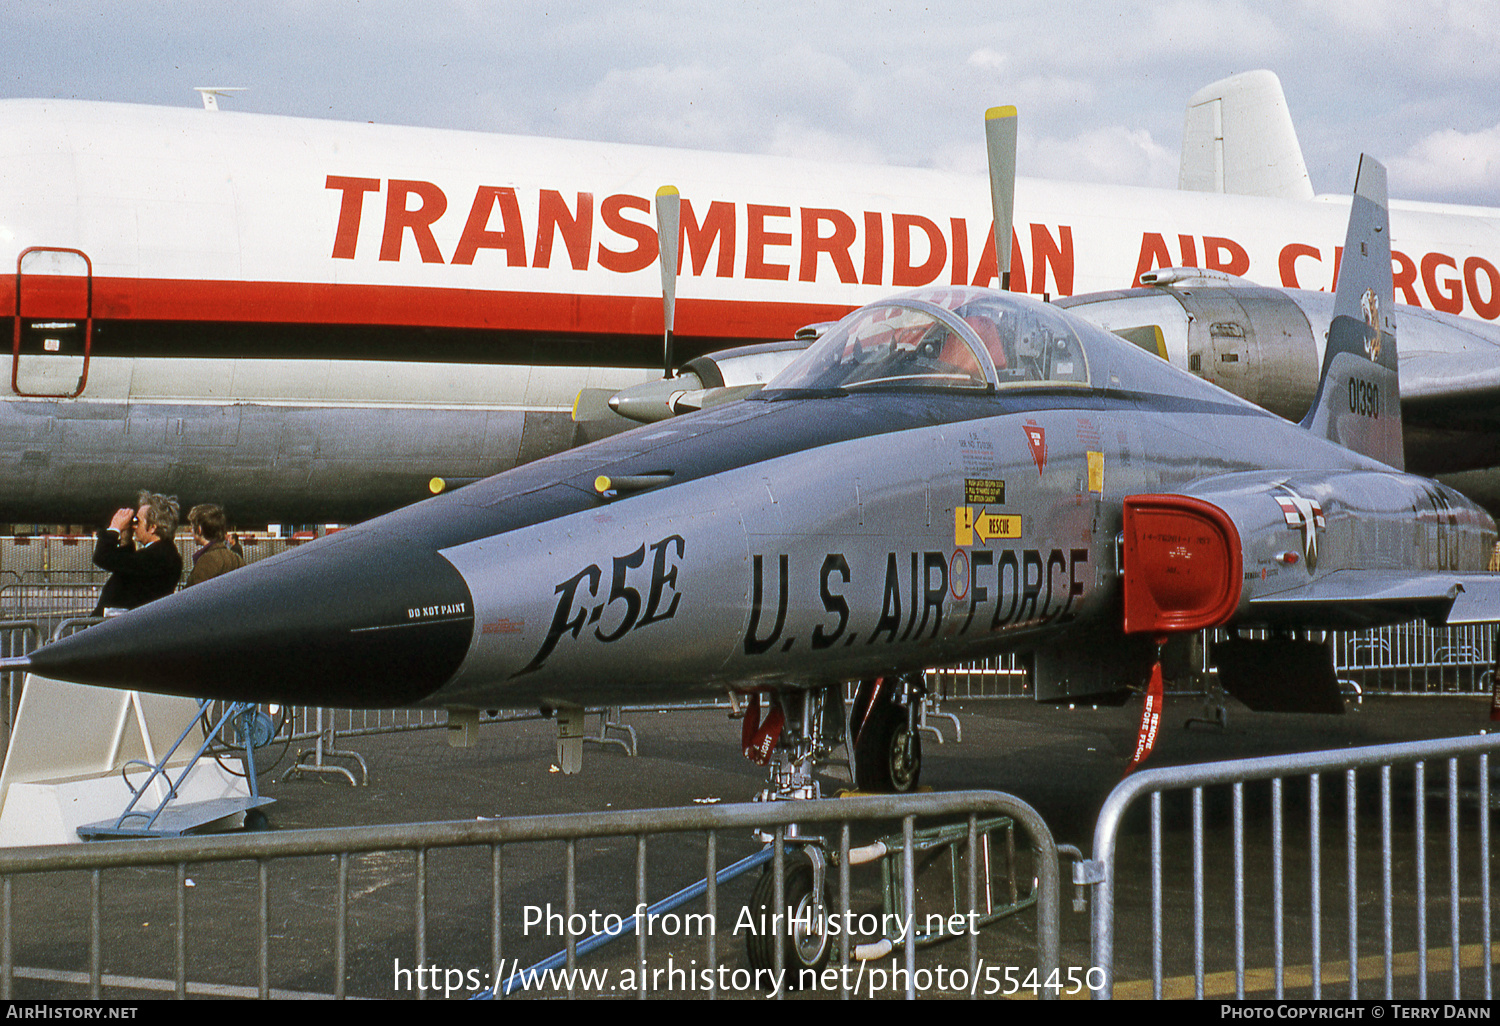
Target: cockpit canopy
x=958 y=338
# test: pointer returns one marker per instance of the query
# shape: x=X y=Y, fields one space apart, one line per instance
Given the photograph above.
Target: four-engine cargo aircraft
x=309 y=320
x=945 y=474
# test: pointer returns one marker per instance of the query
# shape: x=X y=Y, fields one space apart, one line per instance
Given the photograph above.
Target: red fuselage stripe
x=148 y=299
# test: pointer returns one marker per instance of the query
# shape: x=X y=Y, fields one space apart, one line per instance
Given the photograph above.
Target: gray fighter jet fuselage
x=944 y=475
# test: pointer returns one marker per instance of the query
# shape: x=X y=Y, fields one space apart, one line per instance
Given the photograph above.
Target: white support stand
x=70 y=743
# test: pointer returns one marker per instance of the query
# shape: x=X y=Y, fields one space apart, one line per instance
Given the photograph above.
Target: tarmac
x=1062 y=761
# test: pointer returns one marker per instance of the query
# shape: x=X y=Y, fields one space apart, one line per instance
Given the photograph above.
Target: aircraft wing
x=1448 y=362
x=1381 y=596
x=1450 y=394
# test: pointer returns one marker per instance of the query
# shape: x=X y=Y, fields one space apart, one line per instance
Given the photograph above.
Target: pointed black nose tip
x=357 y=620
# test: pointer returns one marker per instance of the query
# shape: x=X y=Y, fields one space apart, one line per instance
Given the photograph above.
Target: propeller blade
x=1000 y=143
x=668 y=211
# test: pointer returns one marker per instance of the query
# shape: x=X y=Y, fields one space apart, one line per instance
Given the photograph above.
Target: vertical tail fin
x=1238 y=137
x=1358 y=404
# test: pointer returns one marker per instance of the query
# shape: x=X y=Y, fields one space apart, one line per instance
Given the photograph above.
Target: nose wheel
x=799 y=925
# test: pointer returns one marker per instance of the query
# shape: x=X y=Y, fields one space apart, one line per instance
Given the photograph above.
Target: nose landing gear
x=800 y=730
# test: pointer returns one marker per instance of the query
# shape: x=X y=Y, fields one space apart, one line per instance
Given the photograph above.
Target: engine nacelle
x=711 y=379
x=1255 y=342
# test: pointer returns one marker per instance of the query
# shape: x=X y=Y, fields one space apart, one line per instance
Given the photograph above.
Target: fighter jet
x=946 y=474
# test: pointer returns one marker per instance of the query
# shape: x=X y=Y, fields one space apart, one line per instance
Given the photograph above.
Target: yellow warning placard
x=984 y=525
x=963 y=525
x=984 y=491
x=1096 y=472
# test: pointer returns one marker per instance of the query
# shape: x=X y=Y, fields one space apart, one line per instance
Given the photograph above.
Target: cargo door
x=54 y=323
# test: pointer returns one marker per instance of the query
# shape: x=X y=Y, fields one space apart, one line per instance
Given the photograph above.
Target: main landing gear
x=886 y=745
x=799 y=730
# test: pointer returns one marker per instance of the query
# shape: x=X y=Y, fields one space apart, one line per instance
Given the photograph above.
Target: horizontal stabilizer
x=1478 y=602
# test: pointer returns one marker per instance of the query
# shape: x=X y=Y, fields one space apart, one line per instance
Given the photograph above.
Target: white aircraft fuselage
x=310 y=319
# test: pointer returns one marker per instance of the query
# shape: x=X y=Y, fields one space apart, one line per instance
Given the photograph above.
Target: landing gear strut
x=799 y=730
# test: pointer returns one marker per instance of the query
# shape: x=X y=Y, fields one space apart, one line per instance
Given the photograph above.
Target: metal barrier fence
x=1001 y=676
x=1226 y=912
x=1402 y=659
x=471 y=890
x=17 y=637
x=50 y=574
x=1412 y=658
x=62 y=558
x=41 y=558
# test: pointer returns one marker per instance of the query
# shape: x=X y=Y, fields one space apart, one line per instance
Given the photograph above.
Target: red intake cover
x=1182 y=564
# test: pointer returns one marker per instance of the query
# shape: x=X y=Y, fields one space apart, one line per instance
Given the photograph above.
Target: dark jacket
x=213 y=559
x=137 y=575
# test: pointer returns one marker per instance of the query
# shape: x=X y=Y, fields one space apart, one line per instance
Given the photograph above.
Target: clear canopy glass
x=956 y=338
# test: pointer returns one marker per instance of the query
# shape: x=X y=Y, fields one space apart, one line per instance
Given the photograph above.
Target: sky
x=1101 y=86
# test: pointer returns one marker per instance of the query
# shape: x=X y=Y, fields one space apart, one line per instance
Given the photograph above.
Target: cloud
x=1449 y=164
x=796 y=139
x=987 y=59
x=1455 y=32
x=662 y=105
x=1100 y=85
x=795 y=101
x=1115 y=155
x=1205 y=28
x=1115 y=42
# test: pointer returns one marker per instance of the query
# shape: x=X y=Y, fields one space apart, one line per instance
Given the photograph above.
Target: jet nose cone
x=359 y=619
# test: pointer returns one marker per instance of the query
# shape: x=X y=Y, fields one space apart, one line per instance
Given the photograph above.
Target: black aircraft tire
x=887 y=751
x=802 y=949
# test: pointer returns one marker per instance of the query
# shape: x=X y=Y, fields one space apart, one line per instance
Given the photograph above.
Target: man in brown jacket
x=214 y=557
